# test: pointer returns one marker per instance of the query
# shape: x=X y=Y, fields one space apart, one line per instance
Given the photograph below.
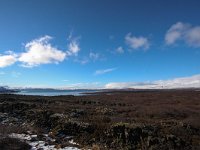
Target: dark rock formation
x=13 y=144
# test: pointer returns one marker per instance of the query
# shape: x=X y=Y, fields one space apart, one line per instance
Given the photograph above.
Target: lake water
x=51 y=92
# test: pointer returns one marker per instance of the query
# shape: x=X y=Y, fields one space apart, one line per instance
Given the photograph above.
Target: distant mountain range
x=6 y=89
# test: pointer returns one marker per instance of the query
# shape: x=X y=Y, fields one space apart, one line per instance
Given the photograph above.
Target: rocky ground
x=165 y=119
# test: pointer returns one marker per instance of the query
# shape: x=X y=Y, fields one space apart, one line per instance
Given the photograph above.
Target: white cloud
x=137 y=42
x=186 y=82
x=183 y=32
x=193 y=37
x=65 y=80
x=40 y=51
x=123 y=85
x=82 y=61
x=73 y=47
x=175 y=32
x=193 y=81
x=120 y=50
x=7 y=60
x=94 y=56
x=99 y=72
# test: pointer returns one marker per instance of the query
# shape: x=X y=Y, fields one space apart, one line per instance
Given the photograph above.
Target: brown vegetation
x=165 y=119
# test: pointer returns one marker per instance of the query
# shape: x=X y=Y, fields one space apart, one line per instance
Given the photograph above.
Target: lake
x=53 y=92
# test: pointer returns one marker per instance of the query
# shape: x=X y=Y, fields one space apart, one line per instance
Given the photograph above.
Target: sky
x=100 y=44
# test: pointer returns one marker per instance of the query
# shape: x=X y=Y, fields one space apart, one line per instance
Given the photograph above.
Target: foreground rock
x=13 y=144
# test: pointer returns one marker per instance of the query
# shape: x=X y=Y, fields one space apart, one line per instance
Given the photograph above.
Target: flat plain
x=144 y=119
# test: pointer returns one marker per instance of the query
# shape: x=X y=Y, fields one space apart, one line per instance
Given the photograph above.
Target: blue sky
x=92 y=44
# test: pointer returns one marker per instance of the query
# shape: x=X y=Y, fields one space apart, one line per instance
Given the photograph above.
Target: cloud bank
x=183 y=32
x=185 y=82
